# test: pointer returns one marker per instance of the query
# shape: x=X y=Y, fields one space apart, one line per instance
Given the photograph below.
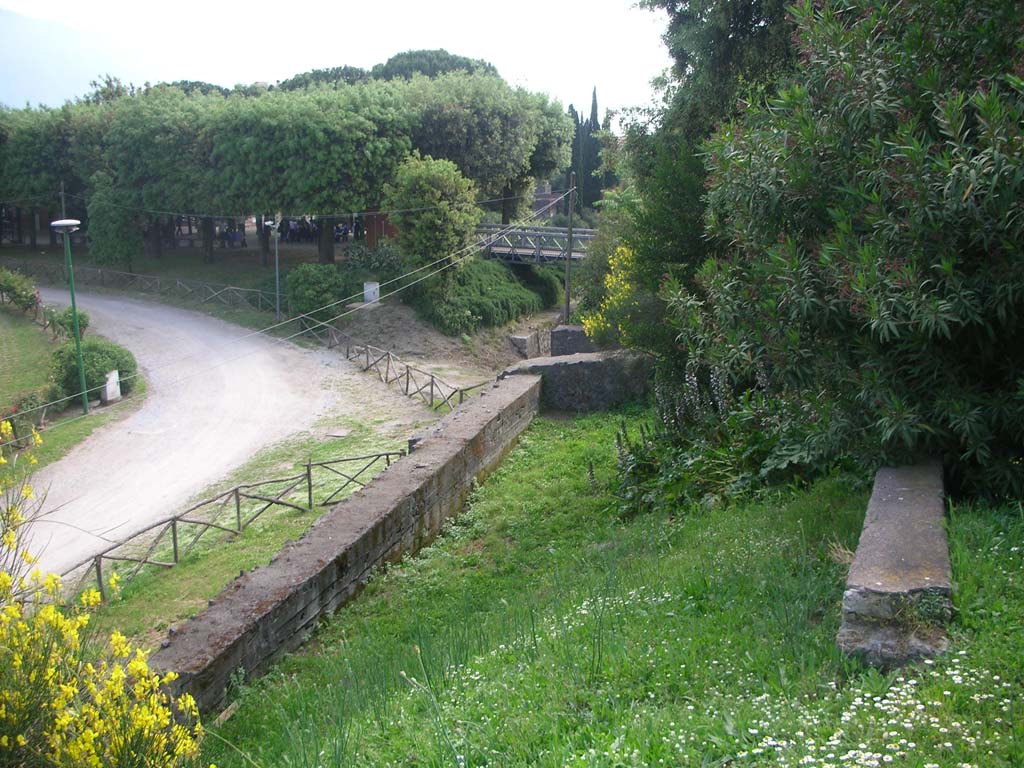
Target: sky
x=50 y=51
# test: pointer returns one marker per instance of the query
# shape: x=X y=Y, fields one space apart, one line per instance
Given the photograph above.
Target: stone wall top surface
x=903 y=544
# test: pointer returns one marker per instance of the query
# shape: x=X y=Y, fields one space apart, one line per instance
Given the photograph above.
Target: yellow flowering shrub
x=65 y=699
x=622 y=301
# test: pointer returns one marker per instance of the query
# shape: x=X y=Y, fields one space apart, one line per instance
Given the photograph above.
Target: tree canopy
x=435 y=209
x=164 y=151
x=430 y=63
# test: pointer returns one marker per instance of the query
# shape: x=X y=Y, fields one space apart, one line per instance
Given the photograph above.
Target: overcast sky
x=49 y=51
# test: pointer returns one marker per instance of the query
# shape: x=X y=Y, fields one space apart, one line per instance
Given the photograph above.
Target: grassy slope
x=25 y=350
x=544 y=630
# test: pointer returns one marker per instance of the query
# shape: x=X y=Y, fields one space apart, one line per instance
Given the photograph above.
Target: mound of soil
x=460 y=360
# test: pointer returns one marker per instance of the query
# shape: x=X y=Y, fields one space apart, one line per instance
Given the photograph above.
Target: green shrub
x=61 y=322
x=99 y=356
x=546 y=282
x=312 y=286
x=481 y=293
x=434 y=208
x=23 y=415
x=381 y=264
x=18 y=289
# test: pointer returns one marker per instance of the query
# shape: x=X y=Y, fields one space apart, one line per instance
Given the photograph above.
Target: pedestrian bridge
x=532 y=245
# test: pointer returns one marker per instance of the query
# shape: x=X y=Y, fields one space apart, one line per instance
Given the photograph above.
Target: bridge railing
x=533 y=244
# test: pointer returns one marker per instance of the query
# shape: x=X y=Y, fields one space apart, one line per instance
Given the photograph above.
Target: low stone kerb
x=898 y=591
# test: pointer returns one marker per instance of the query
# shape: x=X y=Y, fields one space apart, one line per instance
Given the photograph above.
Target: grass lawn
x=25 y=351
x=544 y=629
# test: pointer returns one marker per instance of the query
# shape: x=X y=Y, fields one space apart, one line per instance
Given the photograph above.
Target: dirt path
x=215 y=397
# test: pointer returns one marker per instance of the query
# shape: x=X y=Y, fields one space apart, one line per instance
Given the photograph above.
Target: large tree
x=498 y=136
x=723 y=50
x=435 y=210
x=430 y=63
x=158 y=165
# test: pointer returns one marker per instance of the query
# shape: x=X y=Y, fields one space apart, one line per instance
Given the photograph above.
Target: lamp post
x=66 y=227
x=275 y=231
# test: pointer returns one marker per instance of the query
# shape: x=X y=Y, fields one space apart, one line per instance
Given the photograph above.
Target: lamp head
x=66 y=226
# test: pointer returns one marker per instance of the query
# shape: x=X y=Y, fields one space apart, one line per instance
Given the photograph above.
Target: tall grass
x=543 y=629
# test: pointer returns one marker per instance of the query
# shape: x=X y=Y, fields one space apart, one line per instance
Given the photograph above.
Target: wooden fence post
x=99 y=577
x=309 y=484
x=238 y=509
x=174 y=538
x=431 y=390
x=407 y=380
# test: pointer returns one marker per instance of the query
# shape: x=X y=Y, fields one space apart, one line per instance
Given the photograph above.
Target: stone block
x=569 y=340
x=585 y=382
x=371 y=293
x=527 y=344
x=899 y=588
x=111 y=391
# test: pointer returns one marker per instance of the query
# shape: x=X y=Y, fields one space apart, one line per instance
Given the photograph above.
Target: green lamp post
x=66 y=227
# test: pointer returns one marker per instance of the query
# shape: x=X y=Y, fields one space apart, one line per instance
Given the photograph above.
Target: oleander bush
x=61 y=321
x=18 y=290
x=869 y=287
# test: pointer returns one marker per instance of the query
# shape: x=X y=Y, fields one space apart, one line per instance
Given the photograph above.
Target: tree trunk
x=508 y=206
x=53 y=232
x=264 y=235
x=326 y=240
x=17 y=225
x=154 y=238
x=33 y=220
x=206 y=230
x=171 y=230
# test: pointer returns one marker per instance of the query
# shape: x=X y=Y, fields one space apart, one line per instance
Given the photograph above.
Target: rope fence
x=165 y=543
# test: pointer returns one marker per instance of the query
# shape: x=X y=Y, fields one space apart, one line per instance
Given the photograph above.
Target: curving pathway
x=214 y=398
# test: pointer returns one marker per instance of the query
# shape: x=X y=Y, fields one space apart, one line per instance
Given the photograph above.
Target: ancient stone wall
x=270 y=610
x=569 y=340
x=584 y=382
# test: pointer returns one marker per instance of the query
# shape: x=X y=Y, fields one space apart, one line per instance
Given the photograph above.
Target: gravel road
x=214 y=399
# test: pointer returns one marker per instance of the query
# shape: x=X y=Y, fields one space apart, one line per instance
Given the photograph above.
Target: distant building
x=543 y=198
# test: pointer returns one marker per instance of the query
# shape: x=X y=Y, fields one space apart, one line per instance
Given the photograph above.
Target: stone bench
x=898 y=592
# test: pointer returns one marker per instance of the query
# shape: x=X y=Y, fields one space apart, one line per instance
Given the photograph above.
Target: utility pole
x=568 y=253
